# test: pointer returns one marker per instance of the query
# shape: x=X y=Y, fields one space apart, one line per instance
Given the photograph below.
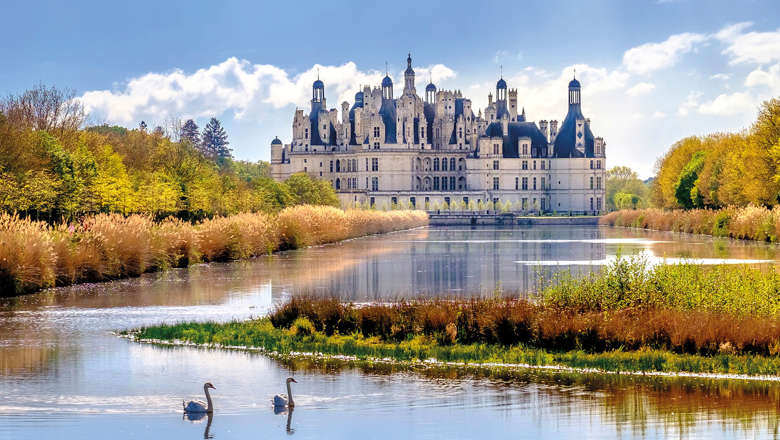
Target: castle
x=435 y=152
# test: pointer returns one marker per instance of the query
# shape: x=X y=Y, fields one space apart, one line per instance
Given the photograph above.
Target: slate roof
x=517 y=130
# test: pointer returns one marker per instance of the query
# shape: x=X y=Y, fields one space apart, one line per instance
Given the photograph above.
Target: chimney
x=553 y=130
x=543 y=129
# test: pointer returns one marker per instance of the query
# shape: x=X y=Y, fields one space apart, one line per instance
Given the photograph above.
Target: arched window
x=338 y=167
x=444 y=164
x=338 y=183
x=436 y=164
x=452 y=163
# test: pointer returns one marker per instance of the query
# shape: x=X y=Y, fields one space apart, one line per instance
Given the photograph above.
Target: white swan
x=285 y=401
x=197 y=406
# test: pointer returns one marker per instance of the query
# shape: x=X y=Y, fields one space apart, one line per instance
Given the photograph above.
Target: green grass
x=262 y=334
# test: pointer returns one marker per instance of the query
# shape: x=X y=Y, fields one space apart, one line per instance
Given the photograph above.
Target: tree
x=624 y=181
x=45 y=109
x=190 y=133
x=306 y=190
x=214 y=141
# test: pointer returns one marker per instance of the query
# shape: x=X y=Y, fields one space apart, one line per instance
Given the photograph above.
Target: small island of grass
x=628 y=318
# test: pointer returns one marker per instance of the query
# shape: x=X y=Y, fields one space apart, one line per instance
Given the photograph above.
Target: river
x=64 y=375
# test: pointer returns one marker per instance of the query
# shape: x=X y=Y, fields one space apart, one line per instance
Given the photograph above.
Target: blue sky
x=652 y=72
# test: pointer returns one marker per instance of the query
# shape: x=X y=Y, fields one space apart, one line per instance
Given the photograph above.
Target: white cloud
x=769 y=78
x=650 y=57
x=659 y=114
x=234 y=86
x=721 y=76
x=750 y=47
x=729 y=104
x=642 y=88
x=691 y=102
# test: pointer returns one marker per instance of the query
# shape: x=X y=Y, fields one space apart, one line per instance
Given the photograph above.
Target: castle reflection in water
x=442 y=262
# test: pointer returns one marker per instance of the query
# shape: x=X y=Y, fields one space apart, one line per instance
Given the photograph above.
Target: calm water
x=64 y=375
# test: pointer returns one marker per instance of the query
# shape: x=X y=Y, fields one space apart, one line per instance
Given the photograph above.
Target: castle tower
x=430 y=93
x=409 y=77
x=317 y=95
x=501 y=90
x=387 y=86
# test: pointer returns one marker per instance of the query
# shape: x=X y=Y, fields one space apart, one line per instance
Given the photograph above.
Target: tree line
x=54 y=167
x=723 y=169
x=712 y=171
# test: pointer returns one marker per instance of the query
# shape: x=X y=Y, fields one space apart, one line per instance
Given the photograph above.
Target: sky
x=652 y=72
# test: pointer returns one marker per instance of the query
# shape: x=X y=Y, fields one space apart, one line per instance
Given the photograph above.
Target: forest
x=54 y=167
x=723 y=169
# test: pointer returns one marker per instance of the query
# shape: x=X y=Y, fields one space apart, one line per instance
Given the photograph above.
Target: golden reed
x=748 y=223
x=35 y=255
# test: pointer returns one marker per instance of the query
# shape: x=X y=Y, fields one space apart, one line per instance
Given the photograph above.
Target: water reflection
x=63 y=373
x=198 y=418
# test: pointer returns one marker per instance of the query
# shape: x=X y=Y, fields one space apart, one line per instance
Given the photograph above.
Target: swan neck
x=289 y=395
x=208 y=399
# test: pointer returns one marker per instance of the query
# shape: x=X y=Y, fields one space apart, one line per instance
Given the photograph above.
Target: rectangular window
x=394 y=201
x=543 y=187
x=436 y=183
x=591 y=164
x=366 y=164
x=444 y=183
x=543 y=207
x=542 y=164
x=591 y=182
x=495 y=183
x=372 y=202
x=525 y=165
x=495 y=164
x=524 y=203
x=525 y=183
x=591 y=203
x=331 y=166
x=598 y=203
x=517 y=183
x=447 y=201
x=495 y=148
x=452 y=183
x=534 y=183
x=598 y=164
x=374 y=164
x=534 y=164
x=413 y=202
x=598 y=182
x=375 y=184
x=376 y=132
x=306 y=133
x=366 y=182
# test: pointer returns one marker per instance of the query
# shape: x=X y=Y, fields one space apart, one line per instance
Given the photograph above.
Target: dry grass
x=34 y=255
x=535 y=324
x=748 y=223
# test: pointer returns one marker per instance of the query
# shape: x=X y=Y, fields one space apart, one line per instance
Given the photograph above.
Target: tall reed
x=749 y=222
x=35 y=255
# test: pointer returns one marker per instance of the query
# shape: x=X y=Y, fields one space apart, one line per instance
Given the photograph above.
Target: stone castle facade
x=425 y=152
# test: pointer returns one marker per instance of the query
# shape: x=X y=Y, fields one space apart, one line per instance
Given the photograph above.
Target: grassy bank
x=747 y=223
x=683 y=318
x=35 y=255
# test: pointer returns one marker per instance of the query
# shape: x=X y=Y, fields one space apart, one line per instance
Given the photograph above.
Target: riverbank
x=35 y=255
x=746 y=223
x=680 y=319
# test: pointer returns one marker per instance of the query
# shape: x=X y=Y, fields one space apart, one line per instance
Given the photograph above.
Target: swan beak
x=294 y=381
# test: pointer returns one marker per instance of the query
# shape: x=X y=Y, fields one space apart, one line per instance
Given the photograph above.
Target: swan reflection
x=198 y=418
x=289 y=411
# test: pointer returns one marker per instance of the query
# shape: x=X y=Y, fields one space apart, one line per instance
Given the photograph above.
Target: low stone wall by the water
x=505 y=219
